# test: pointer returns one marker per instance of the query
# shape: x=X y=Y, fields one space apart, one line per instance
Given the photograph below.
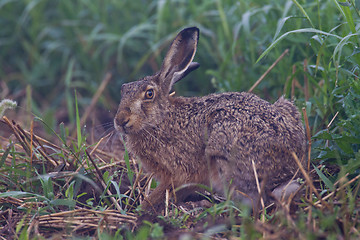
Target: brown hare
x=210 y=140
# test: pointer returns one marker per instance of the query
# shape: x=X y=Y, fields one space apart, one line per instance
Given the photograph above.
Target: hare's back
x=246 y=109
x=243 y=128
x=252 y=125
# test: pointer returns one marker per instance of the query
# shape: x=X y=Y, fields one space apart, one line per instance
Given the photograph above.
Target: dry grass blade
x=268 y=70
x=82 y=220
x=309 y=181
x=332 y=120
x=308 y=134
x=259 y=191
x=317 y=203
x=101 y=180
x=27 y=140
x=85 y=220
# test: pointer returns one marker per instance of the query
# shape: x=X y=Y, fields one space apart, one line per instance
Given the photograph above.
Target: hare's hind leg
x=230 y=169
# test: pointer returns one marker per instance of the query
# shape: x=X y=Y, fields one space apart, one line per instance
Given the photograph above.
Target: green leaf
x=328 y=153
x=223 y=18
x=339 y=47
x=347 y=14
x=20 y=224
x=303 y=30
x=78 y=127
x=106 y=177
x=143 y=232
x=345 y=146
x=119 y=195
x=156 y=231
x=303 y=12
x=20 y=194
x=63 y=202
x=68 y=78
x=327 y=181
x=5 y=154
x=47 y=186
x=345 y=4
x=69 y=193
x=62 y=133
x=353 y=164
x=323 y=134
x=129 y=170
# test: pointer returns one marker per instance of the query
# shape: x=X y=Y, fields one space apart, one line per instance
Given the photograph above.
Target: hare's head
x=144 y=102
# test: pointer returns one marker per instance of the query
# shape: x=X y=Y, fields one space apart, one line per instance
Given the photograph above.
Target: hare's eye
x=149 y=94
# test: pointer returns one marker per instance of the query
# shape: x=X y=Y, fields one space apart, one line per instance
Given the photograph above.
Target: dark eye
x=149 y=94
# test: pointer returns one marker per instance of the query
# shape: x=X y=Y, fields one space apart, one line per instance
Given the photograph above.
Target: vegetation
x=71 y=186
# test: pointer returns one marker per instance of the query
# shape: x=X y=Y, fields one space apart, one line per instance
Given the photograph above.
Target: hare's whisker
x=109 y=136
x=103 y=125
x=106 y=132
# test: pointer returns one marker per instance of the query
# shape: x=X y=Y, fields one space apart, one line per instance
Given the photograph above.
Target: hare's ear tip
x=194 y=28
x=191 y=29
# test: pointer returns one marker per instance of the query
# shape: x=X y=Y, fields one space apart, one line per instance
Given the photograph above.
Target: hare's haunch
x=209 y=140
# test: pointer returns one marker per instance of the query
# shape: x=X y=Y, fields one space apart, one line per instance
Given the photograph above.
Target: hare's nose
x=124 y=122
x=121 y=122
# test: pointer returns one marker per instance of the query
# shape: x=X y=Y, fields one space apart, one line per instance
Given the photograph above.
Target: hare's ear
x=193 y=66
x=178 y=58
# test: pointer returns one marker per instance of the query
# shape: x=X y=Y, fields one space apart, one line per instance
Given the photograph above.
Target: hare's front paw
x=156 y=200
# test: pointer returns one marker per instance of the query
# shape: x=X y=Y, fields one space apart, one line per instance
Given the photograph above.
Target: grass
x=72 y=186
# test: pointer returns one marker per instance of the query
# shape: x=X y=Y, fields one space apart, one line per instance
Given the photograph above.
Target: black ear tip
x=191 y=31
x=194 y=65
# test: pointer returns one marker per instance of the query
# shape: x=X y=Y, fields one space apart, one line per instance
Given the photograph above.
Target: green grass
x=50 y=49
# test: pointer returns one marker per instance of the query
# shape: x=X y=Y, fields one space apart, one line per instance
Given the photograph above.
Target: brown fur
x=209 y=140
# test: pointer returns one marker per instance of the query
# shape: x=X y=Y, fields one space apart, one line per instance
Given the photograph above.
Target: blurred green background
x=53 y=47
